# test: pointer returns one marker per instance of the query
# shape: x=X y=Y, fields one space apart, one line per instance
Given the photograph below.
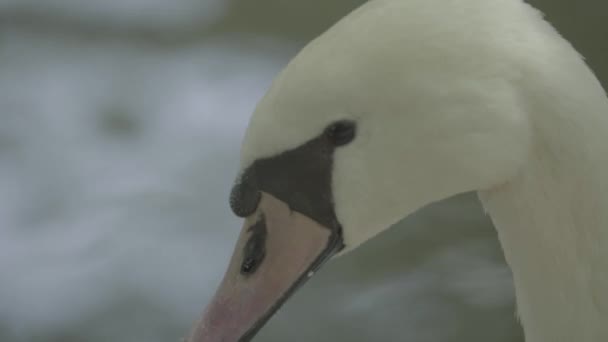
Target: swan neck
x=552 y=223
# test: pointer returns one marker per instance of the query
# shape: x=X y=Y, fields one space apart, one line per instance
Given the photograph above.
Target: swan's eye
x=341 y=133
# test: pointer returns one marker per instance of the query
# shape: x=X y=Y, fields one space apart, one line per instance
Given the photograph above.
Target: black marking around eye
x=255 y=248
x=300 y=177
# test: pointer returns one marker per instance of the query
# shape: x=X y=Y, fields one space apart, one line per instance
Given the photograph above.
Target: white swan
x=406 y=102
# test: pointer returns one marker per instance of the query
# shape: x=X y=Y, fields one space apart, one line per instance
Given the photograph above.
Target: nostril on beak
x=255 y=248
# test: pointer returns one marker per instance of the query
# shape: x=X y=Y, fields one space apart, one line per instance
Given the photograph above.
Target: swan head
x=378 y=117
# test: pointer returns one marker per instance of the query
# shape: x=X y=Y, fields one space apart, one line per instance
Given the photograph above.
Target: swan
x=406 y=102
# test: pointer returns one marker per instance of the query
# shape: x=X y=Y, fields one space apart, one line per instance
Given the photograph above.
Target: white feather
x=461 y=95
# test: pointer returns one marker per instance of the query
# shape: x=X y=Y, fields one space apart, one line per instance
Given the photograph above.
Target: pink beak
x=277 y=251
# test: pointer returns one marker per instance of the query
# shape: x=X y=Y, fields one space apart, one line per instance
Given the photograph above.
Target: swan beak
x=277 y=251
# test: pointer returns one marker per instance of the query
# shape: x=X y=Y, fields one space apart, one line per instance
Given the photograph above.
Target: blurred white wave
x=116 y=162
x=123 y=13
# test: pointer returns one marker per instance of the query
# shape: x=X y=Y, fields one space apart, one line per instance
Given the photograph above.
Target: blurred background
x=120 y=126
